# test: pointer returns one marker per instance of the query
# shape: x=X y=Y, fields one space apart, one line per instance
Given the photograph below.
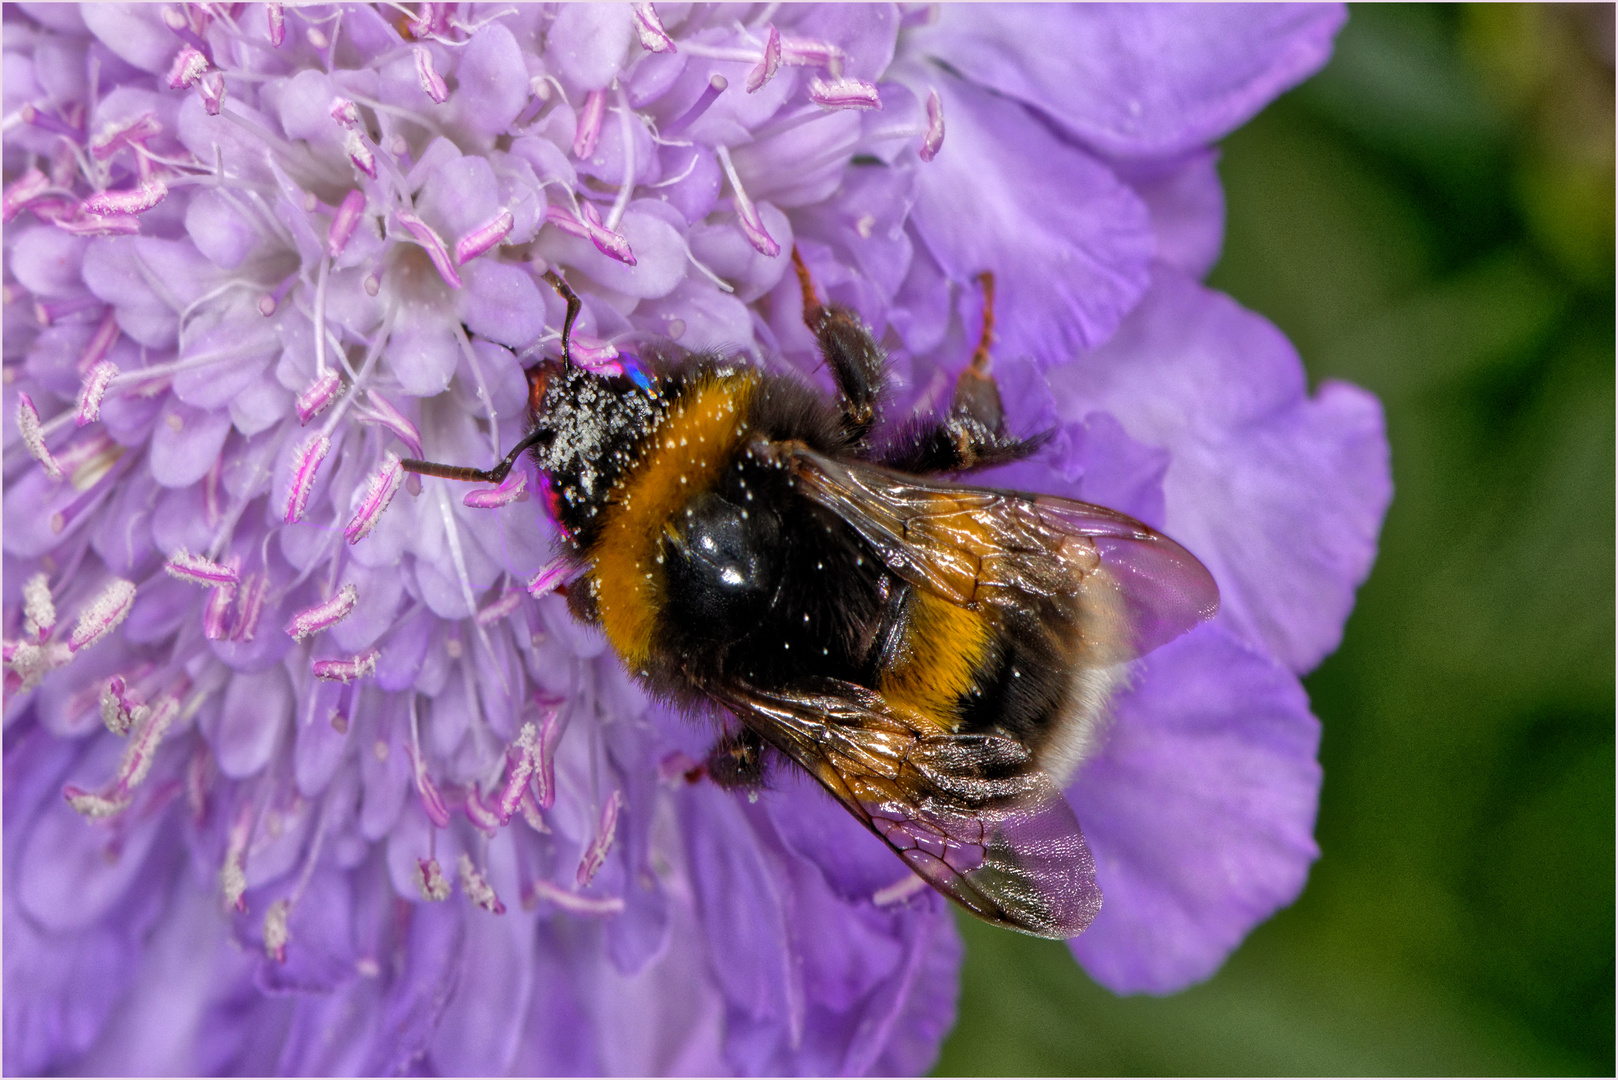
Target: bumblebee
x=937 y=656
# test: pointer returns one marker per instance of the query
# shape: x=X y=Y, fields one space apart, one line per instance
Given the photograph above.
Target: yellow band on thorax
x=684 y=454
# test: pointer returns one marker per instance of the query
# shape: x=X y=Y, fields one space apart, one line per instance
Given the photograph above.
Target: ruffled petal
x=493 y=82
x=1281 y=494
x=1134 y=82
x=1200 y=810
x=1068 y=244
x=135 y=34
x=1187 y=205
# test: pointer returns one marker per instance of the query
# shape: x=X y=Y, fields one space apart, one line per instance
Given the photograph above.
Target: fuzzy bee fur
x=937 y=656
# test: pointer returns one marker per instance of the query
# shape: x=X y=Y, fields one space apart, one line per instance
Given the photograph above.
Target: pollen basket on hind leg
x=683 y=456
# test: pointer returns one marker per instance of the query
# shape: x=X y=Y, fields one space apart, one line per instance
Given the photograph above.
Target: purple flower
x=324 y=778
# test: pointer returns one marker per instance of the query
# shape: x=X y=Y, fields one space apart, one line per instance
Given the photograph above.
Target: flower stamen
x=33 y=436
x=522 y=761
x=746 y=213
x=119 y=712
x=423 y=234
x=653 y=38
x=346 y=671
x=233 y=875
x=216 y=612
x=268 y=304
x=849 y=93
x=275 y=930
x=132 y=132
x=20 y=192
x=431 y=800
x=188 y=66
x=934 y=139
x=806 y=52
x=484 y=237
x=39 y=613
x=318 y=396
x=344 y=222
x=432 y=83
x=132 y=769
x=767 y=67
x=360 y=154
x=499 y=609
x=549 y=577
x=584 y=140
x=379 y=409
x=430 y=880
x=93 y=390
x=509 y=491
x=486 y=820
x=572 y=902
x=211 y=89
x=308 y=460
x=595 y=855
x=477 y=889
x=250 y=605
x=104 y=613
x=379 y=492
x=313 y=620
x=136 y=200
x=344 y=112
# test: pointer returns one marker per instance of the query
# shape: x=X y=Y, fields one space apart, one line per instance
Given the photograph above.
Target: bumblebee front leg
x=972 y=434
x=856 y=360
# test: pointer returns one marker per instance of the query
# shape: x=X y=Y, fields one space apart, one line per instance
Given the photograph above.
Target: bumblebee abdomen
x=935 y=658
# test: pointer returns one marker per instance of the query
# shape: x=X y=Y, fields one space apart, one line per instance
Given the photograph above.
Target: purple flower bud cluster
x=325 y=779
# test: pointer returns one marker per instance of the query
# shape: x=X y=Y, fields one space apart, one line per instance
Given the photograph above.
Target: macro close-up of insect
x=939 y=657
x=866 y=539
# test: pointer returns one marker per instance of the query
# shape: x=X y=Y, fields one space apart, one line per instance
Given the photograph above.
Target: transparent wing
x=971 y=814
x=973 y=546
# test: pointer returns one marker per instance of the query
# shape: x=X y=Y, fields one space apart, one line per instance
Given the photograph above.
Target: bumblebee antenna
x=498 y=474
x=574 y=304
x=495 y=475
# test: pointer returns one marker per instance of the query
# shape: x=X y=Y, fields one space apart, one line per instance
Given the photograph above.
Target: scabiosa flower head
x=323 y=778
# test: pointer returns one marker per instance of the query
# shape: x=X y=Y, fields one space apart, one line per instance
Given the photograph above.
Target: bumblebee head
x=583 y=427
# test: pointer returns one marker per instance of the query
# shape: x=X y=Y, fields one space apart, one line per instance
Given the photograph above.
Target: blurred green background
x=1431 y=217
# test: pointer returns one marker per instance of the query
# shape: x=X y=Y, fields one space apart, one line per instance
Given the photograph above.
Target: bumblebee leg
x=856 y=360
x=972 y=434
x=737 y=761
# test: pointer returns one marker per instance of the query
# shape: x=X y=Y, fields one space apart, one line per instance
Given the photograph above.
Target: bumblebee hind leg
x=856 y=360
x=972 y=434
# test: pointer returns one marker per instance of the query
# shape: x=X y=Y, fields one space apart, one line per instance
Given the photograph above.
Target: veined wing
x=971 y=814
x=975 y=546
